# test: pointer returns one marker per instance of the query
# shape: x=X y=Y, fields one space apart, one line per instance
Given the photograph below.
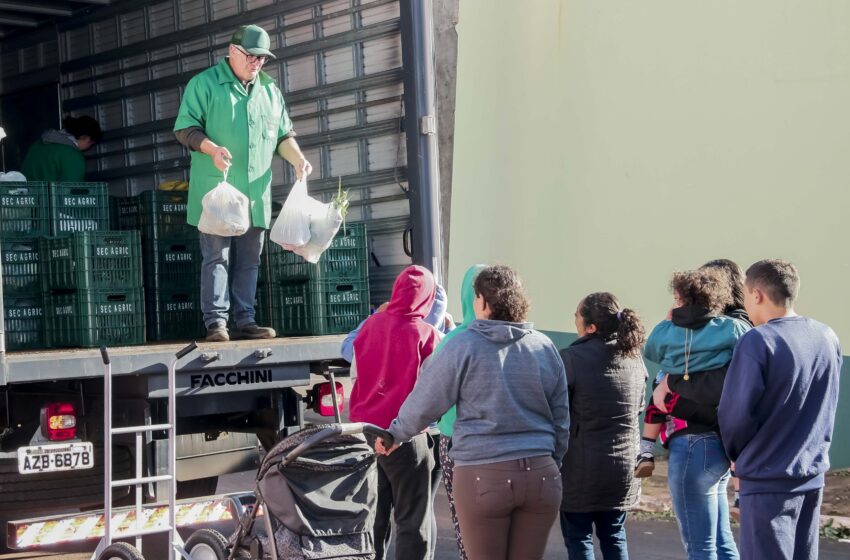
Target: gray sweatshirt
x=510 y=388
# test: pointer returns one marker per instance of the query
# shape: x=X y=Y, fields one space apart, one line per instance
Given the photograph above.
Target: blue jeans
x=577 y=529
x=229 y=272
x=698 y=474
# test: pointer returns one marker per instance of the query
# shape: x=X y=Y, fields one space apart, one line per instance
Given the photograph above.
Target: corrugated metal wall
x=339 y=66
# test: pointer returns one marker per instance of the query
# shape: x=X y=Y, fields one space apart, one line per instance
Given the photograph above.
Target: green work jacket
x=248 y=125
x=46 y=161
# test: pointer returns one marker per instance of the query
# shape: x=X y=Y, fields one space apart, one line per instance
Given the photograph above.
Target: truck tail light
x=59 y=421
x=324 y=404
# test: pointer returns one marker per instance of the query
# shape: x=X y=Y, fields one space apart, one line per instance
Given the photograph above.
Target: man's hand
x=660 y=393
x=303 y=168
x=220 y=155
x=380 y=449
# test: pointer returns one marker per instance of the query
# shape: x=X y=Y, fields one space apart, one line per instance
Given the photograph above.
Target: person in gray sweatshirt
x=510 y=389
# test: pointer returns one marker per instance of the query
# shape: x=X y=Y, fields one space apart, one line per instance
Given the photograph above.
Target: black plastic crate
x=347 y=258
x=172 y=264
x=91 y=261
x=76 y=207
x=21 y=270
x=156 y=214
x=316 y=307
x=24 y=209
x=24 y=317
x=174 y=315
x=90 y=318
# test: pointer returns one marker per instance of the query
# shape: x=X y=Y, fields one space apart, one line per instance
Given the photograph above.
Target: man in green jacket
x=233 y=119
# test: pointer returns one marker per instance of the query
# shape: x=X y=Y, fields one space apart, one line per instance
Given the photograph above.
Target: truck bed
x=80 y=363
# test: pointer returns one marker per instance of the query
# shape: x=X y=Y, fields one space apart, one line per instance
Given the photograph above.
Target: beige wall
x=602 y=145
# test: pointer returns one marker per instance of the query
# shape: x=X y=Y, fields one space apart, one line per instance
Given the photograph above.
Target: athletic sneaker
x=645 y=465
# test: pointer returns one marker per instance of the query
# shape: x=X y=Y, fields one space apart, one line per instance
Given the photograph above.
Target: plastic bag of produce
x=225 y=211
x=292 y=227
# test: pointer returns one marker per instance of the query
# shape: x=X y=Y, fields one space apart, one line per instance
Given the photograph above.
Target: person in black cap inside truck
x=233 y=119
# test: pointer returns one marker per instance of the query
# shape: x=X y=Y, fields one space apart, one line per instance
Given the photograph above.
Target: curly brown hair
x=501 y=288
x=705 y=287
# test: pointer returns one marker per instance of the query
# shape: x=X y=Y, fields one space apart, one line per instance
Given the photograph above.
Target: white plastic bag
x=292 y=227
x=324 y=224
x=226 y=211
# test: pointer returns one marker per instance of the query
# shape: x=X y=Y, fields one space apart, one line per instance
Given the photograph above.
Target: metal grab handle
x=407 y=242
x=186 y=350
x=104 y=353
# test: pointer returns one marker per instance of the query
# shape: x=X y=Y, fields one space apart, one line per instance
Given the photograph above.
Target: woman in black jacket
x=607 y=383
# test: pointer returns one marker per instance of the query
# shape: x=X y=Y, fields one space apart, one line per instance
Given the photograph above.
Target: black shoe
x=253 y=331
x=645 y=466
x=217 y=333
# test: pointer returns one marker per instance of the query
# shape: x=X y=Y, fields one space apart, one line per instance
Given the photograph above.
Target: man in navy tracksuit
x=776 y=416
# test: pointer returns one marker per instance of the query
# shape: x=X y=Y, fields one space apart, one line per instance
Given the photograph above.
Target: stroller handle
x=352 y=428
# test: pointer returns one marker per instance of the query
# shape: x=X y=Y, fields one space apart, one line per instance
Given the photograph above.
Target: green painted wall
x=603 y=145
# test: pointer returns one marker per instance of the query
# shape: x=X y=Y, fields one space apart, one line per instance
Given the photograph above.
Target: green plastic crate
x=24 y=316
x=24 y=209
x=91 y=261
x=21 y=270
x=347 y=258
x=90 y=318
x=156 y=214
x=316 y=307
x=172 y=265
x=174 y=315
x=76 y=207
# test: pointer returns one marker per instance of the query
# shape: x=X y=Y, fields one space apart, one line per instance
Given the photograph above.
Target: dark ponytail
x=630 y=334
x=603 y=310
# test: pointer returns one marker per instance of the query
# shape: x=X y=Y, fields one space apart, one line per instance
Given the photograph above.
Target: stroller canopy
x=331 y=489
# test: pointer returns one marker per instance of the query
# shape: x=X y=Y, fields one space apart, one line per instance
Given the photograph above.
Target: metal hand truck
x=106 y=549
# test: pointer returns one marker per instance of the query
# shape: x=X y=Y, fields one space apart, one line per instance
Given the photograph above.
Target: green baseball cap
x=253 y=39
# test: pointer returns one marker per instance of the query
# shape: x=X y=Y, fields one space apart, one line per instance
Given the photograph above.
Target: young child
x=777 y=415
x=695 y=339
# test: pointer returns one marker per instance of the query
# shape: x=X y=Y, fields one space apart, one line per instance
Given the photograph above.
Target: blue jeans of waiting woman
x=698 y=474
x=577 y=529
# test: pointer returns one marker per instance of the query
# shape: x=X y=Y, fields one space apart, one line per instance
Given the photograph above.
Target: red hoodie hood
x=391 y=347
x=413 y=293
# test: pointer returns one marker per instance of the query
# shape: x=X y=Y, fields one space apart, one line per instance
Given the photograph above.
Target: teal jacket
x=467 y=297
x=705 y=342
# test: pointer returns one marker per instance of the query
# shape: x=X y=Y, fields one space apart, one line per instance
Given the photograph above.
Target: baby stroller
x=317 y=491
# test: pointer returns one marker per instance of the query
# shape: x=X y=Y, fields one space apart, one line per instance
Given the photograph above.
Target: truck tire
x=121 y=551
x=207 y=544
x=51 y=492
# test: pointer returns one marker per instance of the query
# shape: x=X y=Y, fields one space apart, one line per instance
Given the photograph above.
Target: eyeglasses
x=252 y=59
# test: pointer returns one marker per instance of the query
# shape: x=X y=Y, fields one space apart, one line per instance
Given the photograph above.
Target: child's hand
x=660 y=393
x=670 y=314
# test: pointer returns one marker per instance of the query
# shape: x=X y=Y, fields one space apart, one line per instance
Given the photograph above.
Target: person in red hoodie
x=388 y=352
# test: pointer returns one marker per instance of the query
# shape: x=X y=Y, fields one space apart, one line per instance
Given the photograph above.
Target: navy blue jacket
x=778 y=405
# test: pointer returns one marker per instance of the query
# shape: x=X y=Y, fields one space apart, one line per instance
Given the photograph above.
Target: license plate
x=52 y=458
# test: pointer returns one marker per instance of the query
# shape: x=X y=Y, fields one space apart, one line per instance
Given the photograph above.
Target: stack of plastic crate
x=92 y=284
x=24 y=217
x=171 y=262
x=329 y=297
